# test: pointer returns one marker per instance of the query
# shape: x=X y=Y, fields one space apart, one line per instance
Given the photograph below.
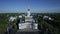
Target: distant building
x=12 y=18
x=47 y=18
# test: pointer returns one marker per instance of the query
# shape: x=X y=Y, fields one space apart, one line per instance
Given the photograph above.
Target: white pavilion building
x=27 y=22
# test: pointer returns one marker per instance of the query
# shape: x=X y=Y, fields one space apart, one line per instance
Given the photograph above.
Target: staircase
x=28 y=31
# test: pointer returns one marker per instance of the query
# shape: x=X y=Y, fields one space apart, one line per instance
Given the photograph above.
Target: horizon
x=36 y=6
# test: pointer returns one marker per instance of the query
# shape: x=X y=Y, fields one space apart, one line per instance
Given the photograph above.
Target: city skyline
x=38 y=6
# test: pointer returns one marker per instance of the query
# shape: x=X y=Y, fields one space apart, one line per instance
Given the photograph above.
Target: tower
x=28 y=12
x=29 y=21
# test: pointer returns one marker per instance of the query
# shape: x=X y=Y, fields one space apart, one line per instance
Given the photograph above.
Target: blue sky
x=40 y=6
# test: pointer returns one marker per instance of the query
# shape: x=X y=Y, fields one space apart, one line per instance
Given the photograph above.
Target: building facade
x=27 y=22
